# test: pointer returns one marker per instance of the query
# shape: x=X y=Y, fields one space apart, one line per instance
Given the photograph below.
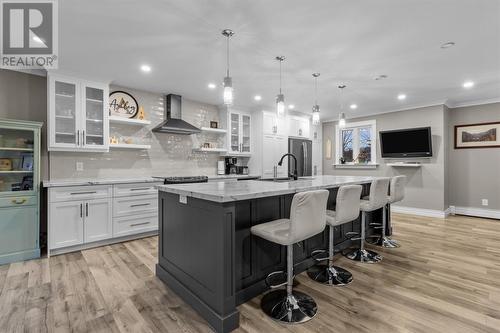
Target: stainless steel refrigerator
x=302 y=149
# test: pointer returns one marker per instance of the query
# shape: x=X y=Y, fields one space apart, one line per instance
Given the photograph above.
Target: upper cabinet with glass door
x=77 y=114
x=239 y=133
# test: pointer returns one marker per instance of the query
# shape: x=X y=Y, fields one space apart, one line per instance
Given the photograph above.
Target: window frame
x=355 y=145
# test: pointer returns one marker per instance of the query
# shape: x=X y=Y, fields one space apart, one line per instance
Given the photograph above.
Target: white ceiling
x=349 y=42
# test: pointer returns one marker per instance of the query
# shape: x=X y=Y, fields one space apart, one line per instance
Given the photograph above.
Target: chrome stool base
x=388 y=243
x=289 y=309
x=364 y=256
x=332 y=276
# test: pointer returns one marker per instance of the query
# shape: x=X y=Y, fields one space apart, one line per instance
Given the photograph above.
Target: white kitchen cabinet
x=272 y=124
x=98 y=223
x=317 y=150
x=78 y=119
x=299 y=127
x=239 y=138
x=66 y=224
x=77 y=222
x=83 y=216
x=273 y=147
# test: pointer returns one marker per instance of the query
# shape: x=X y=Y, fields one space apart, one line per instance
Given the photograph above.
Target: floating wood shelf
x=129 y=121
x=405 y=165
x=211 y=150
x=213 y=130
x=129 y=146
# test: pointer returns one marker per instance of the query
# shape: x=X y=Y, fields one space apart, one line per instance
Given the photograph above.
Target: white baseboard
x=420 y=211
x=480 y=212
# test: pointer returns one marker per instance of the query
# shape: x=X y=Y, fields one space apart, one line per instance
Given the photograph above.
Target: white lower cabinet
x=66 y=224
x=124 y=226
x=98 y=220
x=81 y=215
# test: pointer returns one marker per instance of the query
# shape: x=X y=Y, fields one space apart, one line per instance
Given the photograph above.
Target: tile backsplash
x=170 y=154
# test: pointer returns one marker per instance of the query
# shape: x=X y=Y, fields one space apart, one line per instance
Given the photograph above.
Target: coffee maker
x=231 y=168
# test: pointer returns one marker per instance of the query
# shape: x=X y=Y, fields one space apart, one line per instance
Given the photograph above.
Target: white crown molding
x=420 y=211
x=406 y=108
x=479 y=212
x=453 y=105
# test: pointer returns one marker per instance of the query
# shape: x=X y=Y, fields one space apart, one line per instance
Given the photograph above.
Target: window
x=356 y=143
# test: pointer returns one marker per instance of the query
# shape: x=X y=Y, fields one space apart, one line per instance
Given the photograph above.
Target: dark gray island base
x=208 y=256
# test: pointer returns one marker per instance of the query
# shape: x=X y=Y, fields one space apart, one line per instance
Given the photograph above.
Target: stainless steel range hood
x=173 y=123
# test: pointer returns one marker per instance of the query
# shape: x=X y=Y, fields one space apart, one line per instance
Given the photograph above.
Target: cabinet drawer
x=18 y=201
x=123 y=226
x=124 y=190
x=79 y=193
x=135 y=205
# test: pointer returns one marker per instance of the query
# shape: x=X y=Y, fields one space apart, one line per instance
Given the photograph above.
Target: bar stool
x=396 y=194
x=346 y=210
x=376 y=200
x=307 y=218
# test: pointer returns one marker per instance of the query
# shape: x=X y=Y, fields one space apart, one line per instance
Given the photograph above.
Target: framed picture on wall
x=484 y=135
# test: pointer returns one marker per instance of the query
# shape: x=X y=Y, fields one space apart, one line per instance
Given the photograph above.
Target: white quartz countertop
x=252 y=189
x=104 y=181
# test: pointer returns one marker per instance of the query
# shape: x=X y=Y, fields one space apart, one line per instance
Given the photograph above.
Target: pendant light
x=280 y=98
x=228 y=81
x=342 y=114
x=315 y=108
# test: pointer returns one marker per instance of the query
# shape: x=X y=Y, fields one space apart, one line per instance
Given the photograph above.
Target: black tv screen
x=411 y=142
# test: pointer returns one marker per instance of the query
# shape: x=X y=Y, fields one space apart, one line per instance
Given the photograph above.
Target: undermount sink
x=285 y=179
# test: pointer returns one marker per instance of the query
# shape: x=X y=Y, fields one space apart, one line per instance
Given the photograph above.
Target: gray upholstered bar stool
x=307 y=218
x=346 y=210
x=377 y=199
x=396 y=194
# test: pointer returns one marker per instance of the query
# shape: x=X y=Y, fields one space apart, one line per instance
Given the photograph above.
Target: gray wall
x=474 y=173
x=24 y=97
x=426 y=185
x=170 y=155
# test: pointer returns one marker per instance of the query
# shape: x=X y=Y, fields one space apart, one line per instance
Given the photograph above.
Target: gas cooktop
x=184 y=180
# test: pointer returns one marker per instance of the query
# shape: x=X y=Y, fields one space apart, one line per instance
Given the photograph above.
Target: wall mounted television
x=403 y=143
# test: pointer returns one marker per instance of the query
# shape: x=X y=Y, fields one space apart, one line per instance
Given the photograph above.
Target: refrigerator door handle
x=304 y=149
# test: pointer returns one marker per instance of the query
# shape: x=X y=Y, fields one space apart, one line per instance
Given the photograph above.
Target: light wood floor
x=444 y=278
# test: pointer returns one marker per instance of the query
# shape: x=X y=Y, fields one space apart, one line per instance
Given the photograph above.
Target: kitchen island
x=207 y=254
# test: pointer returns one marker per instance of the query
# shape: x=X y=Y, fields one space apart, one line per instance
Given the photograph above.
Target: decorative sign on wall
x=122 y=104
x=485 y=135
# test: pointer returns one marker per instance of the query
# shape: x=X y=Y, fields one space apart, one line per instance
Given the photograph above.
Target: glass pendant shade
x=315 y=115
x=280 y=104
x=228 y=91
x=342 y=120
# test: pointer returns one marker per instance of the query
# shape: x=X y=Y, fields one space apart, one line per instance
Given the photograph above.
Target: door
x=95 y=123
x=64 y=114
x=269 y=123
x=301 y=149
x=66 y=224
x=18 y=229
x=98 y=220
x=234 y=123
x=245 y=133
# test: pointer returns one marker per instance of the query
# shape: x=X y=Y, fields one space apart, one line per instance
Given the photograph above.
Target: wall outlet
x=183 y=199
x=484 y=202
x=79 y=166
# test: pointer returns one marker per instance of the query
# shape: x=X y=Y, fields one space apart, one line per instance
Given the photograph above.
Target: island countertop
x=252 y=189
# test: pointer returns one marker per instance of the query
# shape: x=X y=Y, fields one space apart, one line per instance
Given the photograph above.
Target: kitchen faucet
x=294 y=174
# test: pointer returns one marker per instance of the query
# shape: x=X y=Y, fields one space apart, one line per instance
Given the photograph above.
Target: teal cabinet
x=19 y=190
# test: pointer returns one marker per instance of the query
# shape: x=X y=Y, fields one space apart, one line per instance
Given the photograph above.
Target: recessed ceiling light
x=468 y=84
x=401 y=97
x=291 y=106
x=212 y=86
x=447 y=45
x=146 y=68
x=257 y=97
x=381 y=77
x=354 y=106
